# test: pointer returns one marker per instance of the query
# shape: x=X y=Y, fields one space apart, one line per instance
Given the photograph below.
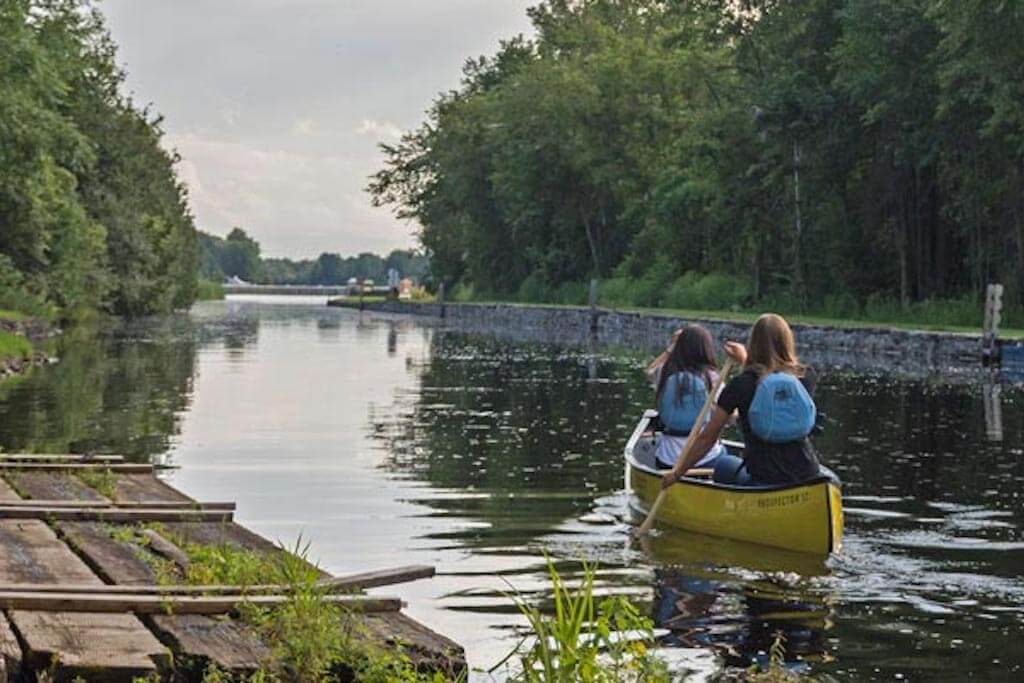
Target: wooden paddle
x=690 y=440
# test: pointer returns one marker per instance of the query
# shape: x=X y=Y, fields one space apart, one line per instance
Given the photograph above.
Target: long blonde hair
x=772 y=348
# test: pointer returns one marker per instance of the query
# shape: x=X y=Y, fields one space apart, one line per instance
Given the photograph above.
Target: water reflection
x=391 y=441
x=120 y=390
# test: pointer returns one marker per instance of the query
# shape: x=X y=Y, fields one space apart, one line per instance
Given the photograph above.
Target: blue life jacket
x=679 y=412
x=782 y=410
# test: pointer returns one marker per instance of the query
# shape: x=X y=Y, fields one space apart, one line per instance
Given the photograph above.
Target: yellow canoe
x=805 y=517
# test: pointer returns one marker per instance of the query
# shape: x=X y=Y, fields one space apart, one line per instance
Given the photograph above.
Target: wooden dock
x=79 y=599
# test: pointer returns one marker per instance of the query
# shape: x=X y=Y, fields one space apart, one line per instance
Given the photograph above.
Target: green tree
x=240 y=256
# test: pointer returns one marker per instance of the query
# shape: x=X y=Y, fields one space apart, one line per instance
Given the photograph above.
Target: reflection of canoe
x=806 y=517
x=717 y=557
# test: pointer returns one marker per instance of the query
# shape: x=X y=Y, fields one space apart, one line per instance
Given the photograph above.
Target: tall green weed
x=586 y=640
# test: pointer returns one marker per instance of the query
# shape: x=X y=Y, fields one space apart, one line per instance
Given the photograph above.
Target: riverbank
x=156 y=584
x=857 y=345
x=18 y=336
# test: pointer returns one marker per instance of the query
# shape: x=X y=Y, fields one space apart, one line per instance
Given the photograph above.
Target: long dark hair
x=694 y=351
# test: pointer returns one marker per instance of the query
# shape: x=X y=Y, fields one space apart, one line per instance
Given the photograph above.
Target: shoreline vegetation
x=18 y=336
x=899 y=322
x=835 y=159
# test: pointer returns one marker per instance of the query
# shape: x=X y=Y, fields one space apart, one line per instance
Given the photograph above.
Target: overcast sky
x=276 y=106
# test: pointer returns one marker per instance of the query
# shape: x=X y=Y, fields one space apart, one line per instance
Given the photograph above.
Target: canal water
x=386 y=442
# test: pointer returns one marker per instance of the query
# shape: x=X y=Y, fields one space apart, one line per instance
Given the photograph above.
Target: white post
x=993 y=317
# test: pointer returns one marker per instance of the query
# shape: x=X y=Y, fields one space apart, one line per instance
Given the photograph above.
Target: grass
x=584 y=640
x=208 y=290
x=12 y=315
x=776 y=671
x=311 y=638
x=581 y=639
x=102 y=480
x=14 y=346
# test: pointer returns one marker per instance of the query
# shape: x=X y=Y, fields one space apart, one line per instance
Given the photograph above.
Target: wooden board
x=113 y=515
x=7 y=493
x=113 y=561
x=118 y=644
x=58 y=457
x=52 y=486
x=138 y=487
x=338 y=584
x=423 y=646
x=98 y=647
x=231 y=645
x=115 y=505
x=118 y=603
x=199 y=639
x=57 y=466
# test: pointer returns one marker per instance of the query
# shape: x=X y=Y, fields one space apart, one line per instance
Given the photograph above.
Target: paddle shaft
x=690 y=441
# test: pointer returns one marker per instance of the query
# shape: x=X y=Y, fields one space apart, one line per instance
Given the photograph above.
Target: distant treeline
x=92 y=215
x=826 y=155
x=238 y=255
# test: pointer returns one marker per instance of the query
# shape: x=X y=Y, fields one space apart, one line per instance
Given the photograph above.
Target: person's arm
x=652 y=368
x=651 y=371
x=707 y=438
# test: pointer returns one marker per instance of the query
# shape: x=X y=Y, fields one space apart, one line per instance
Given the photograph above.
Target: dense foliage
x=91 y=212
x=238 y=255
x=828 y=155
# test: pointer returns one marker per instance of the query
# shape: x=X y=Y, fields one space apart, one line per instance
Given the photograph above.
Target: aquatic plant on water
x=585 y=640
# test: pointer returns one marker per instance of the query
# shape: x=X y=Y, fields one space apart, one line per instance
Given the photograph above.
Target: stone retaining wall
x=875 y=347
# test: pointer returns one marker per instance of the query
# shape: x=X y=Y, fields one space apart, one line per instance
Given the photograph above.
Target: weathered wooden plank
x=115 y=505
x=195 y=639
x=32 y=553
x=10 y=653
x=97 y=647
x=117 y=468
x=423 y=646
x=165 y=549
x=113 y=515
x=228 y=643
x=60 y=457
x=139 y=487
x=234 y=535
x=381 y=577
x=7 y=493
x=41 y=601
x=70 y=643
x=341 y=583
x=52 y=486
x=113 y=561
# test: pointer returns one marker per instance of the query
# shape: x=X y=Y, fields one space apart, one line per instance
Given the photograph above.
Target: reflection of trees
x=522 y=427
x=916 y=438
x=115 y=390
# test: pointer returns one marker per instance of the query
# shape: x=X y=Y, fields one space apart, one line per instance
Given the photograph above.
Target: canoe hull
x=805 y=517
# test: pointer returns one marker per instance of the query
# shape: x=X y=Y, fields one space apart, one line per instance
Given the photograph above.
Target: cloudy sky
x=276 y=106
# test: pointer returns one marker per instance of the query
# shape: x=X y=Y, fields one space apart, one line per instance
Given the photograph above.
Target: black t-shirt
x=770 y=463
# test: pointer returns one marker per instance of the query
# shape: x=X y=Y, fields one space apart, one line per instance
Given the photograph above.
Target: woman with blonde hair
x=772 y=395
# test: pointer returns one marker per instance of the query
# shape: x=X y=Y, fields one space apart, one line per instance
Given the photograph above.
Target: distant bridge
x=299 y=290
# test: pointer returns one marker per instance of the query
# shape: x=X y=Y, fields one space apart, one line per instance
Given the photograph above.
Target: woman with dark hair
x=685 y=378
x=776 y=413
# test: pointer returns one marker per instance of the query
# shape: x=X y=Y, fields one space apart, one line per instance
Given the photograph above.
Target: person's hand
x=673 y=339
x=669 y=478
x=736 y=351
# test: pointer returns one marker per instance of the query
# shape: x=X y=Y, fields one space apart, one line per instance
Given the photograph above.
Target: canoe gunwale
x=641 y=428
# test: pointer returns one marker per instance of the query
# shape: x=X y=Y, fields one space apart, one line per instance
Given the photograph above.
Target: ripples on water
x=390 y=442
